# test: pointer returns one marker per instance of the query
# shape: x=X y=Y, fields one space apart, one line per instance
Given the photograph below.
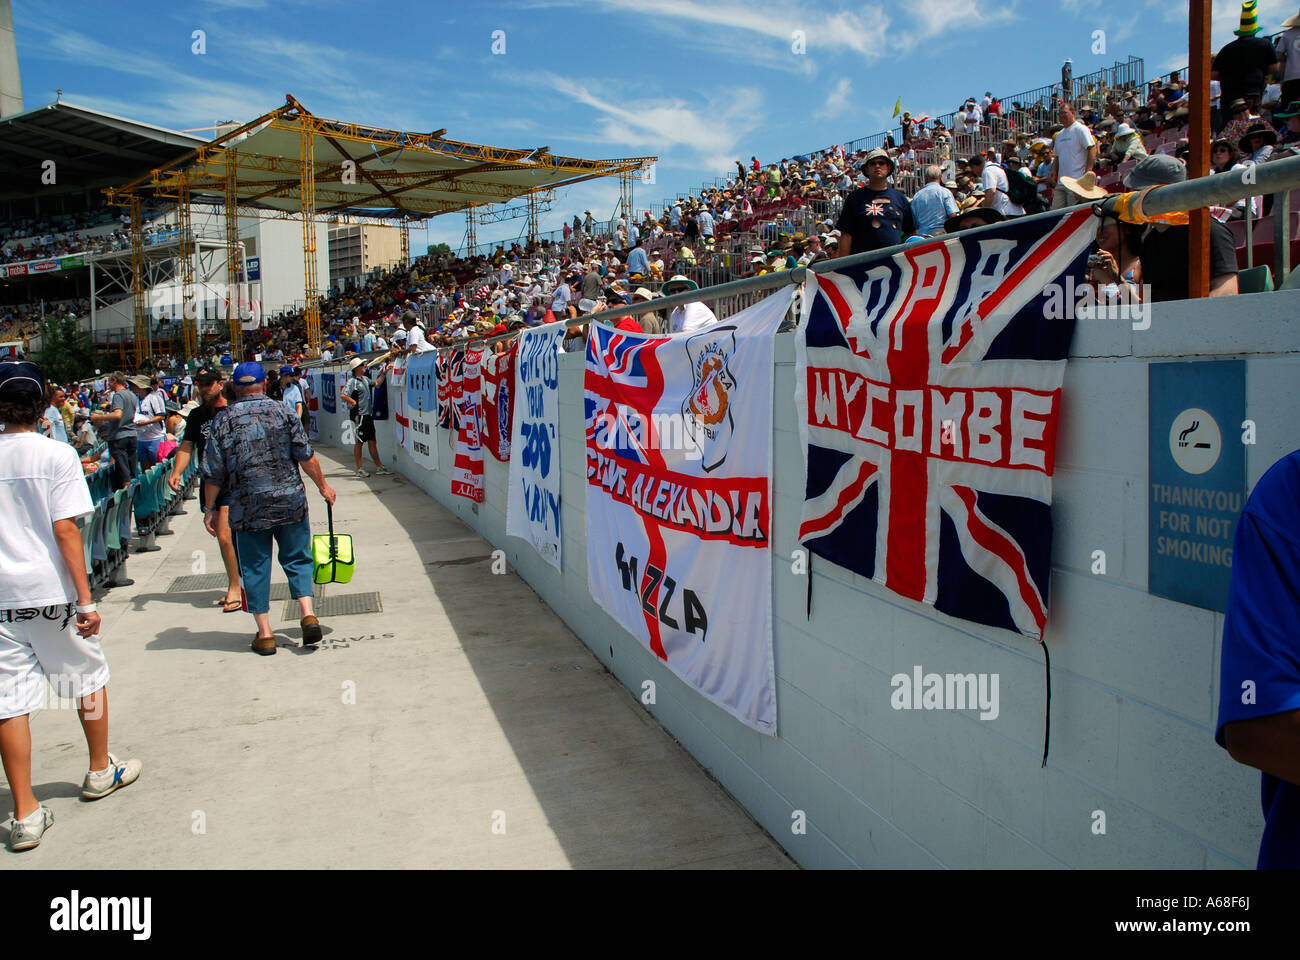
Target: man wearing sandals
x=253 y=453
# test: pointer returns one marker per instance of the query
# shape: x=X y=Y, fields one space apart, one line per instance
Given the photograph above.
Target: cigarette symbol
x=1182 y=437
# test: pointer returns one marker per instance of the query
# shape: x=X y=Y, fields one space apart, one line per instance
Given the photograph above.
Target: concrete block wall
x=1134 y=677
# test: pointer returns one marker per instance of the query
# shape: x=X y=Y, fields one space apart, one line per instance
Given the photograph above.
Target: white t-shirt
x=414 y=339
x=1291 y=44
x=41 y=481
x=1071 y=149
x=153 y=405
x=995 y=178
x=692 y=316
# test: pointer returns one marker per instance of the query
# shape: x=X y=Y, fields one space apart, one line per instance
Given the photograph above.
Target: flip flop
x=230 y=606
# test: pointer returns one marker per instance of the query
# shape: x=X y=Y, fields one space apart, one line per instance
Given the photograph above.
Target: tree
x=67 y=352
x=435 y=249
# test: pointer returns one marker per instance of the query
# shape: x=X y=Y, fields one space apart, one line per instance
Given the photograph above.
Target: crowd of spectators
x=987 y=163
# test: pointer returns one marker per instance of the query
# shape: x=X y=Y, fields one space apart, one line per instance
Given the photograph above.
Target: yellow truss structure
x=290 y=163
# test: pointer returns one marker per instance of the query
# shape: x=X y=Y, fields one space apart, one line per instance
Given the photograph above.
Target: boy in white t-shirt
x=49 y=627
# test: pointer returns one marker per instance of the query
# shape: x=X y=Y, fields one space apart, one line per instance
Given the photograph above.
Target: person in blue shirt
x=1259 y=672
x=933 y=203
x=637 y=261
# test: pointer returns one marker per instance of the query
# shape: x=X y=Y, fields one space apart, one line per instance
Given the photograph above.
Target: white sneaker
x=383 y=472
x=25 y=834
x=100 y=783
x=361 y=474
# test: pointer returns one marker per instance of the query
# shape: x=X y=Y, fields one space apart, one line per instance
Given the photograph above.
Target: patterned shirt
x=253 y=455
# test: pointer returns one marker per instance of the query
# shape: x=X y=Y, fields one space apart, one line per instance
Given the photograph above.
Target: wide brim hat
x=678 y=284
x=988 y=214
x=1124 y=130
x=1085 y=186
x=1290 y=24
x=1292 y=109
x=877 y=154
x=141 y=381
x=1155 y=171
x=1257 y=130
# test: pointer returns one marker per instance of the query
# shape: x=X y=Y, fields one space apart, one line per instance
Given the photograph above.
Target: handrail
x=1219 y=189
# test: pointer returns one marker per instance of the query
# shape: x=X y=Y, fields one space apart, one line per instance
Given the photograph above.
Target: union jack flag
x=876 y=208
x=929 y=391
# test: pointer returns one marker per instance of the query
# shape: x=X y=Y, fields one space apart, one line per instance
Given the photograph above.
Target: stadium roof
x=366 y=171
x=90 y=149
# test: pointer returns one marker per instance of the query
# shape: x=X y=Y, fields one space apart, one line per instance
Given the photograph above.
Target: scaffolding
x=189 y=303
x=372 y=173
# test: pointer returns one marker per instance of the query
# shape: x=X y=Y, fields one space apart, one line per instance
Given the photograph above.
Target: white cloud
x=837 y=100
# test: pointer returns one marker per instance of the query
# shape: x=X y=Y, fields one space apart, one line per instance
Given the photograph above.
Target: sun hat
x=1085 y=186
x=1257 y=130
x=1124 y=130
x=642 y=293
x=1292 y=109
x=356 y=362
x=678 y=284
x=141 y=381
x=1156 y=170
x=877 y=154
x=248 y=373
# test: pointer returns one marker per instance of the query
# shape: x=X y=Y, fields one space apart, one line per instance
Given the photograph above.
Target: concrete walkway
x=464 y=726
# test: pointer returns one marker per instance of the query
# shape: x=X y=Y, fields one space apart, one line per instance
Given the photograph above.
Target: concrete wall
x=1134 y=677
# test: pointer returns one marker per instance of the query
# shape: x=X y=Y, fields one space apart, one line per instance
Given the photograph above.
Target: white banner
x=533 y=501
x=679 y=466
x=313 y=405
x=419 y=398
x=397 y=399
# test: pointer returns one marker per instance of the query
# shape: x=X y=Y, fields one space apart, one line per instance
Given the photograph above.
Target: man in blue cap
x=253 y=453
x=290 y=392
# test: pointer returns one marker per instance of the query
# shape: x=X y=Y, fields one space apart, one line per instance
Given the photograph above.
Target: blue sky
x=697 y=84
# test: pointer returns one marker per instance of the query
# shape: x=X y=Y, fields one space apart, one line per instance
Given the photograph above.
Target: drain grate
x=217 y=581
x=340 y=605
x=201 y=581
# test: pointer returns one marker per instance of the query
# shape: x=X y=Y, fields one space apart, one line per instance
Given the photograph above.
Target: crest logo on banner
x=467 y=474
x=498 y=401
x=928 y=391
x=679 y=489
x=533 y=496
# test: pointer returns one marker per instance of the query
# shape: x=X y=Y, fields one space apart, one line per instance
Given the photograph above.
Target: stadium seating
x=106 y=534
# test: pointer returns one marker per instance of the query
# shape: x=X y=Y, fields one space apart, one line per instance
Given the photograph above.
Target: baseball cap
x=21 y=378
x=249 y=372
x=286 y=371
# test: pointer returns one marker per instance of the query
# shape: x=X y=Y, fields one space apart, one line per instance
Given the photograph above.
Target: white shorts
x=42 y=643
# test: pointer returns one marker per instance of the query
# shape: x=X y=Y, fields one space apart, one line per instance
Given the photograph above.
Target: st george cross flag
x=498 y=401
x=467 y=473
x=679 y=467
x=928 y=392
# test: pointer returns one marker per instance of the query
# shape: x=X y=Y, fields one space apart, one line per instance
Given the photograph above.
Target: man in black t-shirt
x=1164 y=250
x=209 y=385
x=1242 y=66
x=875 y=216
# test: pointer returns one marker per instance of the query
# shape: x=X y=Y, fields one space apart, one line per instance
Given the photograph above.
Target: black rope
x=1047 y=713
x=808 y=611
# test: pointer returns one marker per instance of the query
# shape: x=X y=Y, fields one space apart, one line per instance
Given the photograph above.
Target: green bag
x=331 y=556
